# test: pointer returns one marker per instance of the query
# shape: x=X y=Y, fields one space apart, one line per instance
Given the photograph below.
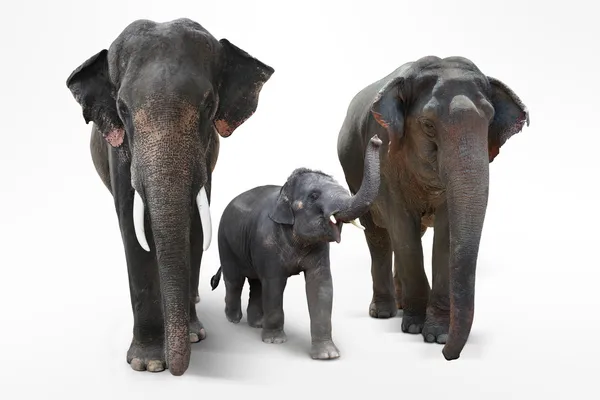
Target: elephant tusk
x=332 y=219
x=138 y=221
x=204 y=210
x=357 y=224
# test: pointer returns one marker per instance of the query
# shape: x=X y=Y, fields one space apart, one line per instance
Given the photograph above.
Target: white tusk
x=357 y=224
x=138 y=221
x=204 y=210
x=332 y=219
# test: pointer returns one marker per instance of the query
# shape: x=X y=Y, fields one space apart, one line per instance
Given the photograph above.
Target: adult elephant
x=442 y=122
x=157 y=99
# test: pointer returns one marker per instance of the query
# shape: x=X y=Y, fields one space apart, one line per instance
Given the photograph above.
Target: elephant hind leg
x=255 y=306
x=383 y=304
x=99 y=150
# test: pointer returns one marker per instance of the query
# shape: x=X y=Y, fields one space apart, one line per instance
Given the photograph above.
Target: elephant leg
x=147 y=346
x=438 y=311
x=197 y=331
x=273 y=318
x=397 y=282
x=382 y=304
x=408 y=262
x=234 y=284
x=319 y=295
x=255 y=308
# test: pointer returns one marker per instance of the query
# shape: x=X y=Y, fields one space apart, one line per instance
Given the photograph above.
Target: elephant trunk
x=167 y=193
x=355 y=206
x=169 y=212
x=465 y=170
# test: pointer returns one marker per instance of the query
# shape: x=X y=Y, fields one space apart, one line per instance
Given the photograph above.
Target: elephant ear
x=282 y=212
x=91 y=87
x=243 y=77
x=388 y=110
x=510 y=116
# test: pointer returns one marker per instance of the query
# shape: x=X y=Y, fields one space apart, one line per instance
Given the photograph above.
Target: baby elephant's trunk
x=359 y=204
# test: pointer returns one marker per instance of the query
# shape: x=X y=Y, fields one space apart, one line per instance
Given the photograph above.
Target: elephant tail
x=214 y=281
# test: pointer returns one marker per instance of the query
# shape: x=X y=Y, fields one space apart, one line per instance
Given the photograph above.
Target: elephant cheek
x=115 y=137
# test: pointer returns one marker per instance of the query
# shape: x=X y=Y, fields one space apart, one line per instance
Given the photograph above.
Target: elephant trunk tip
x=178 y=355
x=451 y=353
x=375 y=142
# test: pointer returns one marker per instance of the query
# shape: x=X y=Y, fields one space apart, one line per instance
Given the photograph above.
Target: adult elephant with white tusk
x=159 y=98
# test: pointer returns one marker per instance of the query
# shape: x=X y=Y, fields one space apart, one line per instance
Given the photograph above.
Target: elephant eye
x=313 y=196
x=123 y=110
x=427 y=126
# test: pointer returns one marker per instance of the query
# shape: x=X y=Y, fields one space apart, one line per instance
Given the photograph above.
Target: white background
x=65 y=321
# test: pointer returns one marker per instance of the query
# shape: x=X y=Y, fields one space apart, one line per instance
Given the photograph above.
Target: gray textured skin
x=158 y=98
x=442 y=121
x=270 y=233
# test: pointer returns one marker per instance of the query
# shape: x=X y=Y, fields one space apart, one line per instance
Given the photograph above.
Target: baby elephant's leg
x=319 y=293
x=272 y=300
x=233 y=297
x=254 y=313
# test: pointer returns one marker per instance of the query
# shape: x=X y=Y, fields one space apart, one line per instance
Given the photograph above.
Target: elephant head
x=158 y=95
x=453 y=120
x=316 y=206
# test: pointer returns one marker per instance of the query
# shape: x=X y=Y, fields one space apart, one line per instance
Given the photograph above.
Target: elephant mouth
x=336 y=227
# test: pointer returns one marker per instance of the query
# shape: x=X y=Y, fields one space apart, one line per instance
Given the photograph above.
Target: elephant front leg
x=438 y=311
x=197 y=331
x=408 y=262
x=146 y=351
x=319 y=293
x=383 y=303
x=273 y=316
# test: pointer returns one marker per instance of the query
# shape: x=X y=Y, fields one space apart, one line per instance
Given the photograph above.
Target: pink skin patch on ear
x=115 y=137
x=223 y=128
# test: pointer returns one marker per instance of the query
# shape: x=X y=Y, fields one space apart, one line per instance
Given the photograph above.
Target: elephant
x=270 y=233
x=442 y=122
x=159 y=98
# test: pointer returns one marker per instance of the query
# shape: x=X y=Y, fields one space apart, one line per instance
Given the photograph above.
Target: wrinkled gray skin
x=158 y=98
x=442 y=121
x=270 y=233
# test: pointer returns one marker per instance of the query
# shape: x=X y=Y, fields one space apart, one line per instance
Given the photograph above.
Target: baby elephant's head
x=307 y=202
x=316 y=206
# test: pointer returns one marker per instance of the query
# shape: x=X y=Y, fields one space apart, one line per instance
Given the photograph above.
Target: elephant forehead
x=158 y=113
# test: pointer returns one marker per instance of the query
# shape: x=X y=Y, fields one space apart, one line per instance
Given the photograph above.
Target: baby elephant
x=270 y=233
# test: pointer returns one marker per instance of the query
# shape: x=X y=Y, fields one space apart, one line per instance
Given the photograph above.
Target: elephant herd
x=415 y=147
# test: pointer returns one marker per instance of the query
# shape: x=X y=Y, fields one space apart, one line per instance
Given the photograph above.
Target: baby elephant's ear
x=282 y=212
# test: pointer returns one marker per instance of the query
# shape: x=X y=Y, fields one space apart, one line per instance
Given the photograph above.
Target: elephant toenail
x=442 y=338
x=137 y=365
x=155 y=366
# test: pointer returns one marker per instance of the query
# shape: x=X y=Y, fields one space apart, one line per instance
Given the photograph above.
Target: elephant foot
x=197 y=331
x=147 y=356
x=274 y=336
x=412 y=323
x=383 y=309
x=436 y=326
x=324 y=351
x=233 y=316
x=255 y=320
